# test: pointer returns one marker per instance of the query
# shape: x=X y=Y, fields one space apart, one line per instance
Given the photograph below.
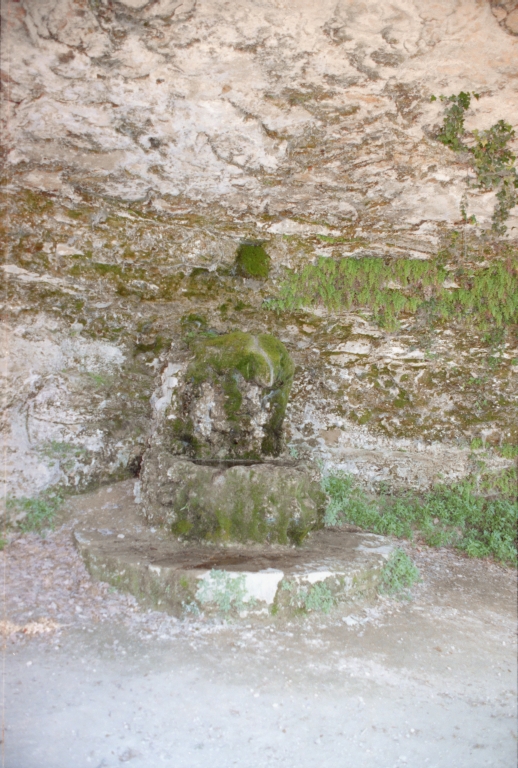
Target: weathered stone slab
x=332 y=567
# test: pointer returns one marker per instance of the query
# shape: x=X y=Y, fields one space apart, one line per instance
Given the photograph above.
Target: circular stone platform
x=332 y=566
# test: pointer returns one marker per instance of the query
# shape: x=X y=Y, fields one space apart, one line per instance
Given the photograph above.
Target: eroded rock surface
x=293 y=109
x=506 y=12
x=232 y=400
x=146 y=141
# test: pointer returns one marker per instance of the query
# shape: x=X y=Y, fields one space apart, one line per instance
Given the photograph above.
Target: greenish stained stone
x=232 y=364
x=260 y=502
x=252 y=261
x=204 y=476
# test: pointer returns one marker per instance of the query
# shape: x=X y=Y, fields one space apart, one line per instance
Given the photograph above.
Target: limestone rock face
x=233 y=398
x=506 y=13
x=315 y=109
x=263 y=502
x=147 y=140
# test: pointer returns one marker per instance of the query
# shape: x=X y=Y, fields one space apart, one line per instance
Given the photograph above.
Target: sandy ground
x=93 y=680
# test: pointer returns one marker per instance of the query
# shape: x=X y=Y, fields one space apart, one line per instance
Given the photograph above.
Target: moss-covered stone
x=252 y=261
x=260 y=502
x=226 y=414
x=234 y=397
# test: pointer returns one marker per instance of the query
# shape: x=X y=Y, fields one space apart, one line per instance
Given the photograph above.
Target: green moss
x=197 y=271
x=180 y=433
x=332 y=240
x=108 y=269
x=169 y=286
x=225 y=355
x=402 y=399
x=235 y=356
x=98 y=379
x=252 y=261
x=181 y=527
x=156 y=346
x=203 y=284
x=37 y=202
x=193 y=323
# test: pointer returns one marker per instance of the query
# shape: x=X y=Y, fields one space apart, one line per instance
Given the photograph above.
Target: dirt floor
x=91 y=679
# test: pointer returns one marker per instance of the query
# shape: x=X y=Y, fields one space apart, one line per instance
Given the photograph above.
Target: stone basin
x=333 y=567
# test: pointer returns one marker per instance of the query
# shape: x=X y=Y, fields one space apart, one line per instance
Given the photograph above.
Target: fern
x=486 y=298
x=492 y=159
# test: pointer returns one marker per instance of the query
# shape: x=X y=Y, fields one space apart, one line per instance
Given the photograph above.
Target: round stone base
x=332 y=567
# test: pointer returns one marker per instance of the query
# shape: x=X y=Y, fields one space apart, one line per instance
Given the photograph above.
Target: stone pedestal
x=210 y=472
x=235 y=500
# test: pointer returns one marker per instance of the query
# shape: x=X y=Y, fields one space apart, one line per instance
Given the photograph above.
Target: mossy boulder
x=208 y=474
x=232 y=401
x=252 y=261
x=241 y=502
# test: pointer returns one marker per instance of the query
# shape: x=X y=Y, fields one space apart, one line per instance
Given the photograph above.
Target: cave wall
x=145 y=140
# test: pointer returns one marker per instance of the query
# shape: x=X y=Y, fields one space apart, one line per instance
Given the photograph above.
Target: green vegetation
x=98 y=379
x=66 y=453
x=40 y=511
x=55 y=449
x=508 y=451
x=478 y=516
x=492 y=160
x=316 y=598
x=190 y=608
x=252 y=261
x=194 y=326
x=333 y=240
x=156 y=346
x=452 y=131
x=225 y=591
x=399 y=575
x=37 y=202
x=485 y=297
